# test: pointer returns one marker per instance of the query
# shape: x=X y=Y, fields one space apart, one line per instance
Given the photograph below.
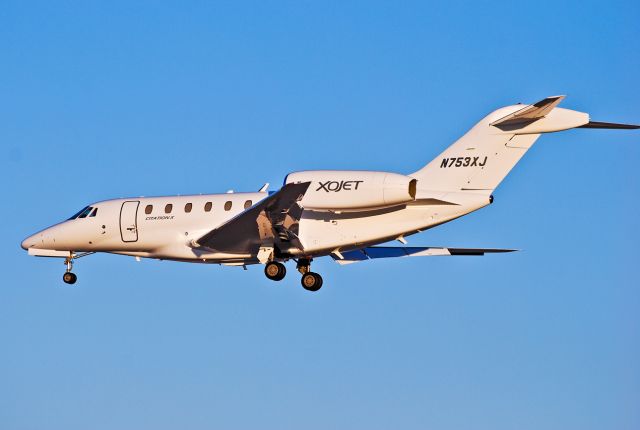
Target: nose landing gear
x=69 y=277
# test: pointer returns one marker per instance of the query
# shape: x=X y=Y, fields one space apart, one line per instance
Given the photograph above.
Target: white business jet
x=342 y=214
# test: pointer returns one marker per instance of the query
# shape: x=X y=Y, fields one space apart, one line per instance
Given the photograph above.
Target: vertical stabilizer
x=481 y=159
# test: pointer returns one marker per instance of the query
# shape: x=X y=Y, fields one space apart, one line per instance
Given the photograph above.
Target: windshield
x=84 y=212
x=78 y=213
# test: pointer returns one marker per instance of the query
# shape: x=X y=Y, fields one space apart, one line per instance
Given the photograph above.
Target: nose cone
x=59 y=237
x=41 y=240
x=31 y=241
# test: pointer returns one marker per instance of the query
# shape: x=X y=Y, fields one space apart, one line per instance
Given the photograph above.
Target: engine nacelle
x=353 y=190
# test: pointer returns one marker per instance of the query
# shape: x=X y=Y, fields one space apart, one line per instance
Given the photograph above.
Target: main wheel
x=311 y=281
x=275 y=271
x=69 y=278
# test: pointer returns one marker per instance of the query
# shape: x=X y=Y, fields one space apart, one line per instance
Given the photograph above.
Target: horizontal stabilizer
x=373 y=252
x=530 y=113
x=609 y=125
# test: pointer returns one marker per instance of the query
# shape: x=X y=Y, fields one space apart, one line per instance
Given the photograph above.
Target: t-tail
x=480 y=160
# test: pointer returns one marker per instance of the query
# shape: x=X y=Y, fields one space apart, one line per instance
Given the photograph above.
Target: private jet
x=342 y=214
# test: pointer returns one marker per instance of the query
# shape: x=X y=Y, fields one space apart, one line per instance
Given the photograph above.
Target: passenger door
x=128 y=221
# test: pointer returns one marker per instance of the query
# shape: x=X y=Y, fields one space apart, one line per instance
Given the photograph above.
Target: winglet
x=530 y=113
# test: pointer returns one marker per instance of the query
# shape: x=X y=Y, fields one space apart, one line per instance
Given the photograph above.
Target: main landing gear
x=310 y=281
x=275 y=271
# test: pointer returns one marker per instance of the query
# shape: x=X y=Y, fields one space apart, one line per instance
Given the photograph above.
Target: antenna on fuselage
x=264 y=188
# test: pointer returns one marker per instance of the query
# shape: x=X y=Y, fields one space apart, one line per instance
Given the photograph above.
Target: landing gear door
x=128 y=221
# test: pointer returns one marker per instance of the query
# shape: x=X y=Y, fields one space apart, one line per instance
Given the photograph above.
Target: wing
x=373 y=252
x=272 y=221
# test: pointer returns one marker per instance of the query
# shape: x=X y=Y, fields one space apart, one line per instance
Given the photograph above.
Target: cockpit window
x=85 y=212
x=77 y=214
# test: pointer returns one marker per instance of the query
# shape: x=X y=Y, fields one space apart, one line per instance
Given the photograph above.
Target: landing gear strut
x=275 y=271
x=69 y=277
x=310 y=281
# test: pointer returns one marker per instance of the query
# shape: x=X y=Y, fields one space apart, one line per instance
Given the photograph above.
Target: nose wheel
x=69 y=278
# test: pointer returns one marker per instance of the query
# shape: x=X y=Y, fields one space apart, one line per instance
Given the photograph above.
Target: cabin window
x=95 y=211
x=248 y=204
x=207 y=206
x=227 y=206
x=168 y=208
x=148 y=209
x=188 y=207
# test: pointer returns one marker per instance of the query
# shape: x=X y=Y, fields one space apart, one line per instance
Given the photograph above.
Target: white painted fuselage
x=166 y=227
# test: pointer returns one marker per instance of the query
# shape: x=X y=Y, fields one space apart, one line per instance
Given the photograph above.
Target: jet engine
x=353 y=190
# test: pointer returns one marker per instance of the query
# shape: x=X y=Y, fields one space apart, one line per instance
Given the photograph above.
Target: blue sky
x=112 y=99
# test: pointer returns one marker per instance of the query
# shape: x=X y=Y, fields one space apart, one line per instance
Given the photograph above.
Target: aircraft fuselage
x=166 y=227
